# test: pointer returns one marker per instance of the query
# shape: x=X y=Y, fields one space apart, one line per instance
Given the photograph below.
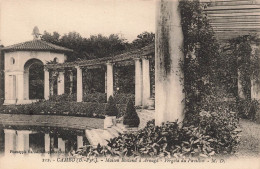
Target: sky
x=127 y=18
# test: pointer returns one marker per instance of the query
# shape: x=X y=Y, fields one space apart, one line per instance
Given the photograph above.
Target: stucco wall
x=21 y=57
x=16 y=88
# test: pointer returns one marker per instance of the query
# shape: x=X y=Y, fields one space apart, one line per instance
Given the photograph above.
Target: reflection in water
x=40 y=140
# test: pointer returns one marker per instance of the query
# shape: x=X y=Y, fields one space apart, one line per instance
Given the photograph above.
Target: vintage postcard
x=130 y=84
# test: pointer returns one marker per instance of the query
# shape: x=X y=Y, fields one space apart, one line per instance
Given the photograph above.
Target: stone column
x=146 y=82
x=52 y=84
x=79 y=85
x=23 y=140
x=105 y=82
x=169 y=96
x=255 y=86
x=79 y=142
x=10 y=141
x=20 y=87
x=8 y=87
x=61 y=145
x=61 y=83
x=138 y=82
x=110 y=80
x=47 y=143
x=46 y=84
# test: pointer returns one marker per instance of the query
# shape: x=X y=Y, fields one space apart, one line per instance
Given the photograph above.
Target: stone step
x=107 y=136
x=102 y=137
x=113 y=132
x=94 y=136
x=121 y=127
x=118 y=129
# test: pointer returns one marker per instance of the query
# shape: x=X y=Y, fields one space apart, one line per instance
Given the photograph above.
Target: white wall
x=17 y=70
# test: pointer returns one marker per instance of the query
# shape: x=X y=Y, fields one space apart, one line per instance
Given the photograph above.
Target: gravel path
x=250 y=139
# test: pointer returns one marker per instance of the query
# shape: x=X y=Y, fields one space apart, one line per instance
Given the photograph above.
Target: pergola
x=139 y=58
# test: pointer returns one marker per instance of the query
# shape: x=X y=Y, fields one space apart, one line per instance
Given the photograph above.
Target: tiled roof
x=36 y=45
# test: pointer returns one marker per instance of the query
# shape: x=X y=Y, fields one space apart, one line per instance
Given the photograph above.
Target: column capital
x=137 y=59
x=110 y=63
x=9 y=131
x=145 y=57
x=61 y=71
x=78 y=67
x=24 y=131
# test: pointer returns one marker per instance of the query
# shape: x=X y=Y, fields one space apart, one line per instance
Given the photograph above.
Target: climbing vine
x=202 y=69
x=247 y=57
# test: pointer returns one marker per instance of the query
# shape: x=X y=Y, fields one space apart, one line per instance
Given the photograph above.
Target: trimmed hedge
x=84 y=109
x=111 y=109
x=96 y=97
x=131 y=117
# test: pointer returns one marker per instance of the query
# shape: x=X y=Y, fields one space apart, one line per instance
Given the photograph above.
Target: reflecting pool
x=29 y=140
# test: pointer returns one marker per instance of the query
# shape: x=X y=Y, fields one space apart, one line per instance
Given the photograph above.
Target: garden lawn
x=250 y=139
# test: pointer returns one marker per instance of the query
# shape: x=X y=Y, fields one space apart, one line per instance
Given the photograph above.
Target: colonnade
x=142 y=82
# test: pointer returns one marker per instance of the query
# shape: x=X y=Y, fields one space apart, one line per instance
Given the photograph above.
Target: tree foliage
x=96 y=46
x=143 y=39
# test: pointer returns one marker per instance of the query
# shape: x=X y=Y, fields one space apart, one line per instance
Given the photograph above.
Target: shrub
x=131 y=117
x=219 y=120
x=95 y=97
x=111 y=109
x=63 y=97
x=58 y=108
x=84 y=109
x=222 y=127
x=168 y=140
x=122 y=98
x=216 y=134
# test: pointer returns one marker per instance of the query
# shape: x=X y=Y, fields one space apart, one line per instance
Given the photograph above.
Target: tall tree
x=96 y=46
x=143 y=39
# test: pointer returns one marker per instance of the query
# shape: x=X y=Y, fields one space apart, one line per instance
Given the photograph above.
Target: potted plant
x=131 y=118
x=111 y=113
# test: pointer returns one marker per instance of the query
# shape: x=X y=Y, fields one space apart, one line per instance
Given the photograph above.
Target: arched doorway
x=34 y=79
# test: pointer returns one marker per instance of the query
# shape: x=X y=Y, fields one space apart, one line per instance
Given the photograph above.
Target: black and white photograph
x=130 y=84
